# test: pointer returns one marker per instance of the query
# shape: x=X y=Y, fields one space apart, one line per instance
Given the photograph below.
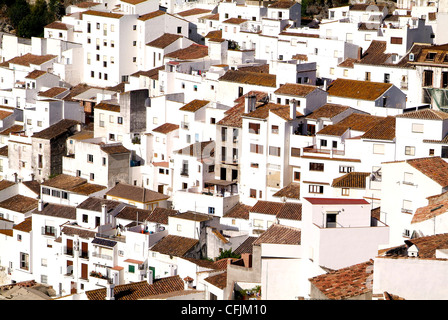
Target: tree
x=228 y=254
x=17 y=12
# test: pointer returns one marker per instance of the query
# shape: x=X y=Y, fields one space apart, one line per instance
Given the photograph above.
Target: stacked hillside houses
x=142 y=141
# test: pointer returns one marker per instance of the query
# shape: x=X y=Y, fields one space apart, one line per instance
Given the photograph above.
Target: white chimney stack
x=103 y=214
x=110 y=291
x=149 y=276
x=293 y=109
x=40 y=205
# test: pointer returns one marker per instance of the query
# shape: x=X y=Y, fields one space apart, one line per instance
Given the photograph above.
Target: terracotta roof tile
x=246 y=246
x=290 y=211
x=433 y=167
x=194 y=105
x=53 y=92
x=296 y=89
x=151 y=15
x=360 y=122
x=204 y=149
x=194 y=51
x=152 y=73
x=133 y=213
x=333 y=130
x=235 y=21
x=253 y=78
x=375 y=54
x=280 y=234
x=64 y=182
x=239 y=211
x=4 y=184
x=427 y=246
x=140 y=290
x=101 y=14
x=166 y=128
x=57 y=25
x=64 y=126
x=95 y=204
x=267 y=207
x=356 y=89
x=108 y=106
x=211 y=16
x=81 y=232
x=35 y=74
x=282 y=4
x=351 y=180
x=192 y=12
x=57 y=210
x=160 y=215
x=114 y=148
x=164 y=40
x=28 y=59
x=24 y=226
x=345 y=283
x=430 y=211
x=383 y=130
x=328 y=110
x=214 y=34
x=218 y=280
x=291 y=191
x=425 y=114
x=135 y=193
x=175 y=245
x=19 y=203
x=263 y=111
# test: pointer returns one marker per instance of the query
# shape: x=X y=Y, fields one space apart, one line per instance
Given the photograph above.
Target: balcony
x=68 y=251
x=313 y=149
x=403 y=210
x=49 y=231
x=184 y=173
x=185 y=125
x=102 y=256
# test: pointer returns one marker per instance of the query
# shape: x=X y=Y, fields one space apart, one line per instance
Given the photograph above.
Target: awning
x=223 y=183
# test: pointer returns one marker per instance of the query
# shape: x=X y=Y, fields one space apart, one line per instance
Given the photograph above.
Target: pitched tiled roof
x=12 y=129
x=262 y=68
x=194 y=216
x=194 y=51
x=96 y=204
x=296 y=89
x=348 y=63
x=135 y=193
x=263 y=111
x=214 y=34
x=218 y=280
x=57 y=210
x=175 y=245
x=214 y=16
x=383 y=130
x=355 y=180
x=19 y=203
x=57 y=25
x=140 y=290
x=345 y=283
x=160 y=215
x=192 y=12
x=4 y=151
x=57 y=129
x=101 y=14
x=246 y=77
x=430 y=211
x=246 y=246
x=81 y=232
x=166 y=128
x=164 y=40
x=35 y=74
x=52 y=92
x=280 y=234
x=28 y=59
x=282 y=4
x=328 y=110
x=267 y=207
x=108 y=106
x=335 y=201
x=433 y=167
x=151 y=15
x=86 y=4
x=333 y=130
x=290 y=211
x=4 y=184
x=64 y=182
x=114 y=148
x=291 y=191
x=375 y=54
x=427 y=246
x=360 y=122
x=356 y=89
x=194 y=105
x=25 y=226
x=152 y=73
x=133 y=213
x=425 y=114
x=235 y=21
x=239 y=211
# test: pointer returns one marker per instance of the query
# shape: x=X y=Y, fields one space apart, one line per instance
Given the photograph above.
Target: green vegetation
x=228 y=254
x=29 y=20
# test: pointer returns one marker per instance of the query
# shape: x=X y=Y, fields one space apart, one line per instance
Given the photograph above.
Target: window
x=417 y=127
x=378 y=148
x=315 y=189
x=408 y=178
x=386 y=78
x=407 y=206
x=296 y=176
x=409 y=151
x=90 y=158
x=24 y=261
x=256 y=148
x=131 y=269
x=92 y=176
x=211 y=210
x=430 y=56
x=345 y=169
x=179 y=29
x=120 y=120
x=345 y=191
x=252 y=193
x=368 y=77
x=431 y=152
x=254 y=128
x=427 y=78
x=396 y=40
x=274 y=129
x=323 y=143
x=330 y=220
x=316 y=166
x=274 y=151
x=258 y=223
x=85 y=218
x=104 y=161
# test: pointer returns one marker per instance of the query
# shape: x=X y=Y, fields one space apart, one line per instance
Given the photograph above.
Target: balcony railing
x=102 y=256
x=313 y=149
x=406 y=210
x=184 y=173
x=68 y=251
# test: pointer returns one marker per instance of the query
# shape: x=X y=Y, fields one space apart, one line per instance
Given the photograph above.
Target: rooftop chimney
x=149 y=276
x=103 y=213
x=110 y=291
x=249 y=103
x=293 y=109
x=188 y=283
x=40 y=205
